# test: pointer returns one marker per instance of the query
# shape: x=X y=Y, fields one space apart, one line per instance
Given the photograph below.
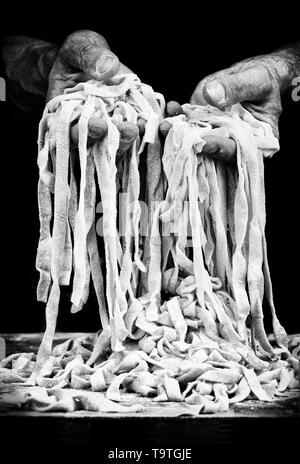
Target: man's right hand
x=37 y=68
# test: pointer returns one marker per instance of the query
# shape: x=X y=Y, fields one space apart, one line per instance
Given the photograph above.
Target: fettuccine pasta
x=181 y=308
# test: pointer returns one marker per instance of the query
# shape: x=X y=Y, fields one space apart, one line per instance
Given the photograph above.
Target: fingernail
x=216 y=92
x=199 y=146
x=141 y=126
x=210 y=148
x=97 y=128
x=106 y=63
x=164 y=128
x=128 y=131
x=174 y=108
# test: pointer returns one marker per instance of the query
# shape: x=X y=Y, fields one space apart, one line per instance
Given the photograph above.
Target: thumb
x=99 y=64
x=89 y=52
x=252 y=84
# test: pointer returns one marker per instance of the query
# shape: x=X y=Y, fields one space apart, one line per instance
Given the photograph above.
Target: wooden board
x=160 y=423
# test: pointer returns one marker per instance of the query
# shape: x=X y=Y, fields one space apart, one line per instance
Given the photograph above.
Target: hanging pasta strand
x=61 y=200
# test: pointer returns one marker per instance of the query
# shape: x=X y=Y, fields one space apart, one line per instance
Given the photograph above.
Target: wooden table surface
x=160 y=424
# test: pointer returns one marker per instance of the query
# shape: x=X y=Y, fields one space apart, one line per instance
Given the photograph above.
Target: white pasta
x=175 y=310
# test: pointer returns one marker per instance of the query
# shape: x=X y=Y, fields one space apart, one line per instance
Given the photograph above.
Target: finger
x=164 y=128
x=269 y=111
x=75 y=133
x=141 y=123
x=97 y=130
x=89 y=52
x=84 y=55
x=197 y=97
x=218 y=147
x=128 y=134
x=60 y=80
x=252 y=84
x=174 y=108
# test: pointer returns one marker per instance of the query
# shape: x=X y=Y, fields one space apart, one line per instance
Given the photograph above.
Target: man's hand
x=38 y=69
x=86 y=55
x=257 y=83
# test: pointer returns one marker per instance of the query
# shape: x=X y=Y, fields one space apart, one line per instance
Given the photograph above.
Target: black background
x=172 y=52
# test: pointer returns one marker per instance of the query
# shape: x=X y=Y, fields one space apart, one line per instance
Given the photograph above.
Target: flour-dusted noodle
x=44 y=246
x=59 y=232
x=80 y=232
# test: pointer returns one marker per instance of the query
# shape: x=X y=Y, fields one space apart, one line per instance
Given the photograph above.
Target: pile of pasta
x=181 y=307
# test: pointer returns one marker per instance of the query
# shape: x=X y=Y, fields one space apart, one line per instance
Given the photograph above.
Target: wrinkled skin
x=257 y=83
x=39 y=70
x=86 y=55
